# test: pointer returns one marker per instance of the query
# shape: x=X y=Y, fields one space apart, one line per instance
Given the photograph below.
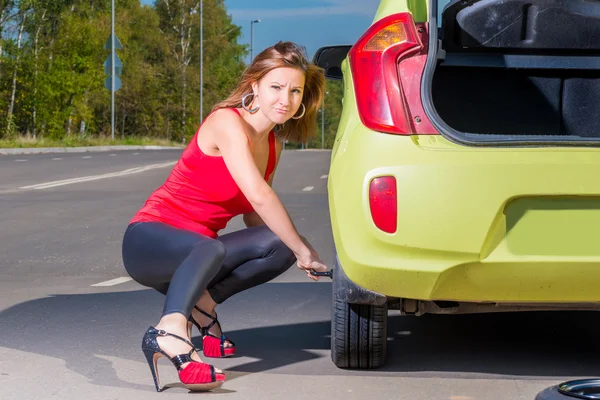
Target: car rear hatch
x=457 y=214
x=514 y=72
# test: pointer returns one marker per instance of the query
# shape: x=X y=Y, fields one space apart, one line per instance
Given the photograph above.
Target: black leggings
x=182 y=264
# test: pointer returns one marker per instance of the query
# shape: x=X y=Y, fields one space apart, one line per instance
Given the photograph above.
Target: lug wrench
x=328 y=274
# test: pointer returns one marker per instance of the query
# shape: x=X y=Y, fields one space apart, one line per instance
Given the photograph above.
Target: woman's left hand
x=312 y=263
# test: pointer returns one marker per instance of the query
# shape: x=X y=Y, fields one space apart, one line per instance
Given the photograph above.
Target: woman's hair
x=284 y=54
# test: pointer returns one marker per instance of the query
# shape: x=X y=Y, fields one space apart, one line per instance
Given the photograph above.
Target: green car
x=465 y=174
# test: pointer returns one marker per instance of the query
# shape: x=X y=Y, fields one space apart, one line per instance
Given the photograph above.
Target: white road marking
x=112 y=155
x=324 y=176
x=135 y=154
x=308 y=188
x=113 y=282
x=57 y=158
x=86 y=157
x=20 y=160
x=130 y=171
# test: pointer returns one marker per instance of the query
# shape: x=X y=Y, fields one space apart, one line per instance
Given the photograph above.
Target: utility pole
x=323 y=122
x=112 y=90
x=256 y=21
x=113 y=68
x=323 y=125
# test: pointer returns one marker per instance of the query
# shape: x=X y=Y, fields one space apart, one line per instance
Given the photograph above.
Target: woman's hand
x=310 y=261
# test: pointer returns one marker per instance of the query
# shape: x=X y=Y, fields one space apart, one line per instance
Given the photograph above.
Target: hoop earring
x=303 y=112
x=244 y=104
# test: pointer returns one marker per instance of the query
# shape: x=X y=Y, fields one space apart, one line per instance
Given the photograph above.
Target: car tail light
x=384 y=203
x=374 y=62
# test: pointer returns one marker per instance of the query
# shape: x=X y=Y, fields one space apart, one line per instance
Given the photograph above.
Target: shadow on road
x=550 y=344
x=279 y=330
x=535 y=344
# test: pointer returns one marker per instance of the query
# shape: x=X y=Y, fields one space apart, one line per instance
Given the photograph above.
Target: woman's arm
x=253 y=219
x=230 y=135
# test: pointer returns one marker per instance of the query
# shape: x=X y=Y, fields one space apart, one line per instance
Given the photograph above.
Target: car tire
x=358 y=335
x=553 y=393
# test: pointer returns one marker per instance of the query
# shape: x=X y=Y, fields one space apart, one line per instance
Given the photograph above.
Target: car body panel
x=465 y=215
x=418 y=8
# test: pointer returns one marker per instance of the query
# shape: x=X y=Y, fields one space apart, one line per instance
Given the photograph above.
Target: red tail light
x=384 y=203
x=374 y=62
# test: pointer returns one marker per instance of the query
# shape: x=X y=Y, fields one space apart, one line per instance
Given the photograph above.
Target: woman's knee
x=285 y=257
x=213 y=250
x=220 y=250
x=270 y=242
x=272 y=248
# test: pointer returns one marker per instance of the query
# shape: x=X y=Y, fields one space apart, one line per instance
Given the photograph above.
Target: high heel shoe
x=212 y=345
x=196 y=376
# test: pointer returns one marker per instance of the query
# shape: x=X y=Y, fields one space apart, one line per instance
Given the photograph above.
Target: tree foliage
x=52 y=68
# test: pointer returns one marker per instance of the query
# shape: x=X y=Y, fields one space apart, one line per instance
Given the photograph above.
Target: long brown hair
x=284 y=54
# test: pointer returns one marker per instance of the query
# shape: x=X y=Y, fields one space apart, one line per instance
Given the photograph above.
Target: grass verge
x=28 y=142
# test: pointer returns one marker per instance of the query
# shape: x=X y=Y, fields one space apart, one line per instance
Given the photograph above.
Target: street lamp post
x=256 y=21
x=323 y=122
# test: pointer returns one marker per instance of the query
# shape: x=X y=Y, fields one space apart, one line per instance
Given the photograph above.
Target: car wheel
x=358 y=335
x=571 y=390
x=552 y=393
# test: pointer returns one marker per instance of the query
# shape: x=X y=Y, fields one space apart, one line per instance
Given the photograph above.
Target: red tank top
x=200 y=194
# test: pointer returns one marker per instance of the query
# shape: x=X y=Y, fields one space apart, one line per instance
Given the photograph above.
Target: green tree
x=52 y=68
x=333 y=112
x=180 y=24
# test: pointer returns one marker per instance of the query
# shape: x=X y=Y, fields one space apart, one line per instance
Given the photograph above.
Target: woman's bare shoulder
x=225 y=119
x=221 y=124
x=222 y=115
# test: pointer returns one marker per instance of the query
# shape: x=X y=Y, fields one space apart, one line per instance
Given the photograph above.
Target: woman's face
x=279 y=93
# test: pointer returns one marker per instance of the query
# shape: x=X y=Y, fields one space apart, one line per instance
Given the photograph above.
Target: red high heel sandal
x=212 y=345
x=195 y=376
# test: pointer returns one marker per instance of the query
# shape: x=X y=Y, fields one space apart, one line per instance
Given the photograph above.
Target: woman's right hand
x=309 y=261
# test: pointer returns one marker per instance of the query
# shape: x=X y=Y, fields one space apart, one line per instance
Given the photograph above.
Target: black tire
x=577 y=389
x=552 y=393
x=358 y=335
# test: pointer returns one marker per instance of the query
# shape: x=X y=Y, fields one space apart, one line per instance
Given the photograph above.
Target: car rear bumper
x=515 y=225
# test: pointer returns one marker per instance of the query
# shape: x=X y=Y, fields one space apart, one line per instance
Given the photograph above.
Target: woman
x=172 y=243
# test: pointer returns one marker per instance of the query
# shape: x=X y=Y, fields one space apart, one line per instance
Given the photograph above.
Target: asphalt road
x=61 y=337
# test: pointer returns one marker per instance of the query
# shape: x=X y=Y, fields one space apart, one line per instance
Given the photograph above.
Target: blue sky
x=310 y=23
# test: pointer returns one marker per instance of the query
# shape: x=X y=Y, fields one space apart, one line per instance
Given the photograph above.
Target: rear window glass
x=440 y=7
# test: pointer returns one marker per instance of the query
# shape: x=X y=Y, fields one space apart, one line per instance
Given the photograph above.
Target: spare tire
x=586 y=389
